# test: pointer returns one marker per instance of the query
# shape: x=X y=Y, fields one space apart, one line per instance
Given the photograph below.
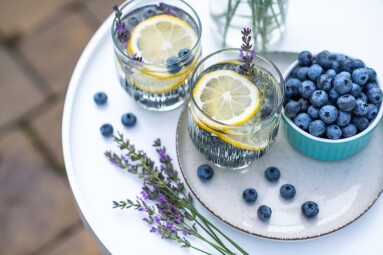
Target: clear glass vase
x=266 y=18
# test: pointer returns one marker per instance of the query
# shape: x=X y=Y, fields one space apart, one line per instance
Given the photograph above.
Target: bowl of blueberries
x=332 y=105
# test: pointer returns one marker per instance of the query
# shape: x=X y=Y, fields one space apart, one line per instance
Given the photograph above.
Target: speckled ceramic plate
x=344 y=190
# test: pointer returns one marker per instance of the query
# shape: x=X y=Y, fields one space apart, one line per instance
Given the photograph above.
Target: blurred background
x=40 y=43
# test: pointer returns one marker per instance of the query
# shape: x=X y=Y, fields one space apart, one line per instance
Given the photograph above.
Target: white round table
x=351 y=27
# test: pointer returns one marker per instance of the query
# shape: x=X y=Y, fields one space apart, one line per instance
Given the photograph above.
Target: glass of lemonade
x=233 y=120
x=156 y=45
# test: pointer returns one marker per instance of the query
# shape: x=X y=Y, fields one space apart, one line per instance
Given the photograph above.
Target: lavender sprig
x=122 y=34
x=164 y=8
x=247 y=54
x=167 y=206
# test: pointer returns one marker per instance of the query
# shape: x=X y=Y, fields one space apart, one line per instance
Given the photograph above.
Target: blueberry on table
x=128 y=119
x=287 y=191
x=328 y=114
x=264 y=212
x=173 y=65
x=106 y=130
x=310 y=209
x=250 y=195
x=100 y=98
x=205 y=172
x=317 y=128
x=272 y=174
x=187 y=56
x=305 y=58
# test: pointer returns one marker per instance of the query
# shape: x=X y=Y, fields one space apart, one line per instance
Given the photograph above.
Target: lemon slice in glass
x=158 y=38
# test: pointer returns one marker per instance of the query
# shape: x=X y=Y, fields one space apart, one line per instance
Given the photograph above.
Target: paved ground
x=40 y=43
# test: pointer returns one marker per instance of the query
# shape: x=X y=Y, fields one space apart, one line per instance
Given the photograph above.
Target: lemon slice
x=227 y=97
x=160 y=37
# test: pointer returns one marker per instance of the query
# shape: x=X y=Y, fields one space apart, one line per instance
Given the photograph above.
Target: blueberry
x=340 y=57
x=317 y=128
x=333 y=132
x=293 y=73
x=323 y=59
x=345 y=73
x=302 y=120
x=328 y=114
x=331 y=73
x=205 y=172
x=357 y=63
x=106 y=130
x=349 y=130
x=306 y=88
x=346 y=102
x=287 y=191
x=133 y=21
x=310 y=209
x=314 y=72
x=313 y=112
x=333 y=95
x=360 y=108
x=360 y=76
x=304 y=104
x=346 y=65
x=128 y=119
x=319 y=98
x=335 y=65
x=265 y=110
x=361 y=122
x=272 y=174
x=302 y=73
x=264 y=212
x=292 y=108
x=305 y=58
x=372 y=111
x=250 y=195
x=324 y=82
x=186 y=56
x=375 y=95
x=173 y=65
x=371 y=74
x=370 y=85
x=342 y=84
x=343 y=119
x=292 y=87
x=356 y=90
x=100 y=98
x=362 y=96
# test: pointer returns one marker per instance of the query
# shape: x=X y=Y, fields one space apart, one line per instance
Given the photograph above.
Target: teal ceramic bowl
x=326 y=149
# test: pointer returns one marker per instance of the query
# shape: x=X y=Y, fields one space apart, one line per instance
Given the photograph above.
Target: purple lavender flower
x=247 y=54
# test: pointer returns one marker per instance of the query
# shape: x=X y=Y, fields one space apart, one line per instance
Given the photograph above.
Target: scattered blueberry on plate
x=310 y=209
x=264 y=212
x=106 y=130
x=205 y=172
x=128 y=119
x=287 y=191
x=100 y=98
x=336 y=90
x=272 y=174
x=250 y=195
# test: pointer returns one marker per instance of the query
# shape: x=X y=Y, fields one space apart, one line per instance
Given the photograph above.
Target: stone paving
x=40 y=43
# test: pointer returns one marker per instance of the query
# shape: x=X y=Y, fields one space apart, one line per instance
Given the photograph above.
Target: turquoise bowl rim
x=361 y=138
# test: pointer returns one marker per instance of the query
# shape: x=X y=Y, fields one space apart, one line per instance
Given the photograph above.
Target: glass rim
x=259 y=55
x=195 y=46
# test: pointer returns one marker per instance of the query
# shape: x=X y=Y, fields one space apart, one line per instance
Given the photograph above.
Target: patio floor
x=40 y=43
